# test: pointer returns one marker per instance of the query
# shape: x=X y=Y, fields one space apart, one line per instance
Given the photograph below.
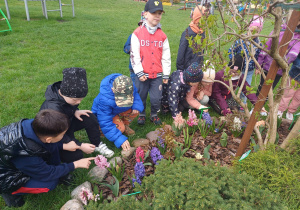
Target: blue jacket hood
x=105 y=109
x=106 y=86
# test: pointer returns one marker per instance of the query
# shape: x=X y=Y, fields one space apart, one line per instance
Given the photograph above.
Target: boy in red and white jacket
x=151 y=59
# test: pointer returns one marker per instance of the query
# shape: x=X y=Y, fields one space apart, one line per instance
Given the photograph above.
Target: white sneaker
x=103 y=150
x=279 y=114
x=261 y=113
x=289 y=116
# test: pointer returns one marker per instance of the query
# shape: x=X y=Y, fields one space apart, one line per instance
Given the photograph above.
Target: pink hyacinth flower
x=85 y=195
x=179 y=121
x=139 y=154
x=101 y=161
x=192 y=118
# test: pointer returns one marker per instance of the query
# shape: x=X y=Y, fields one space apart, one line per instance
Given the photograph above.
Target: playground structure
x=7 y=22
x=44 y=8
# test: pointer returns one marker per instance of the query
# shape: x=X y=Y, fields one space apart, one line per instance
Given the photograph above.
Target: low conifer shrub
x=278 y=170
x=187 y=184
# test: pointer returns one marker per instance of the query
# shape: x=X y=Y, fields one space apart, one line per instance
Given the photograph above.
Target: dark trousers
x=183 y=105
x=91 y=126
x=276 y=80
x=232 y=104
x=154 y=87
x=35 y=187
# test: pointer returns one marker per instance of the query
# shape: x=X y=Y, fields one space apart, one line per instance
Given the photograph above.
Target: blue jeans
x=295 y=69
x=132 y=76
x=249 y=80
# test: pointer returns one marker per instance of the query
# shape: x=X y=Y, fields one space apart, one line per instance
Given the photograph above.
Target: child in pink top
x=198 y=96
x=290 y=100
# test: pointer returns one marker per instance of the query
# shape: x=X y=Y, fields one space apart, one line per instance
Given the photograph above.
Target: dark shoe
x=141 y=120
x=13 y=200
x=155 y=120
x=66 y=180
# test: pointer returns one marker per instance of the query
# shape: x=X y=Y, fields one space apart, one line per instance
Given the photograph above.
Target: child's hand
x=200 y=95
x=203 y=107
x=83 y=163
x=134 y=111
x=143 y=78
x=87 y=148
x=226 y=111
x=78 y=113
x=126 y=145
x=257 y=71
x=165 y=81
x=71 y=146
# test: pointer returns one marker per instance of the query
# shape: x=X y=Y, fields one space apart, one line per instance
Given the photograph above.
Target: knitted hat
x=74 y=83
x=153 y=6
x=236 y=66
x=193 y=73
x=210 y=73
x=257 y=21
x=123 y=90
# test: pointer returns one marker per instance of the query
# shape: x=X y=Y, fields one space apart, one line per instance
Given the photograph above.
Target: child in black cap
x=65 y=96
x=150 y=59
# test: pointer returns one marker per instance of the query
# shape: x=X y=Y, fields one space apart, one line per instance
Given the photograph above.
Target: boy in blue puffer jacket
x=117 y=104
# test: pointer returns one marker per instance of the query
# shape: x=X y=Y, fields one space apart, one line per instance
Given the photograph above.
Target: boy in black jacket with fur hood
x=29 y=156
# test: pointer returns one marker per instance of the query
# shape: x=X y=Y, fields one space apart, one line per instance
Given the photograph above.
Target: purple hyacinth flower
x=139 y=170
x=206 y=117
x=155 y=155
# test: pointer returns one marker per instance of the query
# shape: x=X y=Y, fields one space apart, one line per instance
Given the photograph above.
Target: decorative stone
x=128 y=154
x=152 y=136
x=98 y=173
x=140 y=142
x=119 y=161
x=73 y=204
x=75 y=194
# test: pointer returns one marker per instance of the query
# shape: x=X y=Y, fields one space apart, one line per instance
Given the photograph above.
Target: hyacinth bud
x=117 y=168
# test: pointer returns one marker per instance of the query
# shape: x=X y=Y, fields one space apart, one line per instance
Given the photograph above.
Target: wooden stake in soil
x=287 y=36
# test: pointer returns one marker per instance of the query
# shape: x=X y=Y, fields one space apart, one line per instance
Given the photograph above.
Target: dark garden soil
x=219 y=154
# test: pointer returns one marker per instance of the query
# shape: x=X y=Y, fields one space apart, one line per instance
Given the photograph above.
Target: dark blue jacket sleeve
x=38 y=169
x=127 y=45
x=183 y=45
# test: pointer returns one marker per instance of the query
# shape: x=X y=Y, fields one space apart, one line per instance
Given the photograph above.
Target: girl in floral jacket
x=179 y=84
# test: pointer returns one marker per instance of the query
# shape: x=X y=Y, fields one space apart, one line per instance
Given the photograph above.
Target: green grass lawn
x=34 y=54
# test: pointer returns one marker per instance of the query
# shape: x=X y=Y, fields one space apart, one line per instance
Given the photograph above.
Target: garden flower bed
x=172 y=147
